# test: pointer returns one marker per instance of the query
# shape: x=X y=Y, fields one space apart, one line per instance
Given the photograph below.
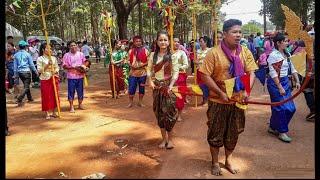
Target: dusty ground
x=122 y=143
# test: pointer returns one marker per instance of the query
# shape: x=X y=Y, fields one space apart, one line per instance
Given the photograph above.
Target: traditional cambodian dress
x=281 y=115
x=117 y=57
x=48 y=99
x=164 y=107
x=225 y=120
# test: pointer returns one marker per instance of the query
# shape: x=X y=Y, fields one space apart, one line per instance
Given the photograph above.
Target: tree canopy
x=303 y=8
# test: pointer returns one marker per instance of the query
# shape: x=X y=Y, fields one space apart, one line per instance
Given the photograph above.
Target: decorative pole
x=48 y=45
x=108 y=24
x=194 y=36
x=171 y=21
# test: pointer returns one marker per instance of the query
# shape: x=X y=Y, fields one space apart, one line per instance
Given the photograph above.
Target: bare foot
x=179 y=119
x=162 y=145
x=72 y=110
x=216 y=170
x=170 y=145
x=141 y=105
x=54 y=115
x=230 y=168
x=130 y=105
x=81 y=107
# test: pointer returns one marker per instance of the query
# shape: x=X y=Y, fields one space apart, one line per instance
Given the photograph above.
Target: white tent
x=12 y=31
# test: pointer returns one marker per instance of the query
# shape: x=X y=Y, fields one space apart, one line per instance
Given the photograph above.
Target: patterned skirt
x=164 y=105
x=119 y=79
x=225 y=123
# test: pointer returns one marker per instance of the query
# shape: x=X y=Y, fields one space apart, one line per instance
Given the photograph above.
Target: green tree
x=251 y=28
x=275 y=13
x=123 y=9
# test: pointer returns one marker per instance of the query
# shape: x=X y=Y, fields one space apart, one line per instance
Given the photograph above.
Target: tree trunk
x=123 y=12
x=122 y=24
x=150 y=29
x=61 y=25
x=93 y=25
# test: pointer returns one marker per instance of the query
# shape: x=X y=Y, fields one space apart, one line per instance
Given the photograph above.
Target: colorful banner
x=229 y=83
x=245 y=79
x=85 y=81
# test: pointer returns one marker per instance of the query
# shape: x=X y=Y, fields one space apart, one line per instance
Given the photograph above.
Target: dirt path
x=122 y=143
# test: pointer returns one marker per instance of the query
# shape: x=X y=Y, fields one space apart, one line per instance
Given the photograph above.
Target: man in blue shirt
x=256 y=41
x=23 y=64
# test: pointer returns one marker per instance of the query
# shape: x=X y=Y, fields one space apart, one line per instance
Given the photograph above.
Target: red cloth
x=245 y=79
x=140 y=54
x=48 y=99
x=199 y=80
x=119 y=79
x=191 y=53
x=182 y=87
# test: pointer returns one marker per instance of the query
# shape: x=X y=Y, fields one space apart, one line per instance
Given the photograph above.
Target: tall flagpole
x=171 y=21
x=108 y=24
x=194 y=36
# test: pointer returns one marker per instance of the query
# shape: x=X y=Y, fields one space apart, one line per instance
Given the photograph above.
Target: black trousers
x=98 y=57
x=26 y=79
x=192 y=66
x=35 y=78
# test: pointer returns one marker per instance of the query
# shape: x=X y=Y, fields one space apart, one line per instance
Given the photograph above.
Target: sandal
x=285 y=138
x=169 y=147
x=54 y=115
x=274 y=132
x=48 y=117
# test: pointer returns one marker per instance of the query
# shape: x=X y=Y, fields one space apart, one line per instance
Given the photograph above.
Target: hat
x=32 y=40
x=267 y=34
x=23 y=43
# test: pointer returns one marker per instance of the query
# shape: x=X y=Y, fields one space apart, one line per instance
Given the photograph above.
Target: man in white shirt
x=256 y=41
x=34 y=52
x=86 y=50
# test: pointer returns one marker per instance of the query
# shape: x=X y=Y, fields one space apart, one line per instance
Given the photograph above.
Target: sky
x=244 y=10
